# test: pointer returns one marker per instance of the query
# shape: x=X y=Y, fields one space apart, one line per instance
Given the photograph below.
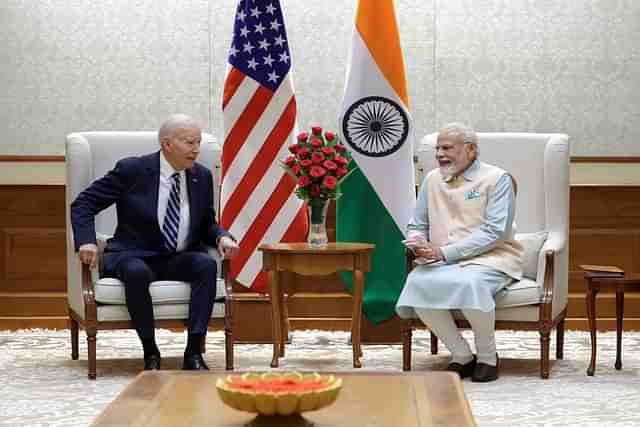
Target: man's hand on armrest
x=88 y=254
x=227 y=247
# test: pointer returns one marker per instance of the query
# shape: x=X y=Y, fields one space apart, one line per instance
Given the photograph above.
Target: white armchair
x=97 y=304
x=540 y=165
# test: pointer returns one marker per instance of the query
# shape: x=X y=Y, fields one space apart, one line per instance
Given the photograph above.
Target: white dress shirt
x=164 y=191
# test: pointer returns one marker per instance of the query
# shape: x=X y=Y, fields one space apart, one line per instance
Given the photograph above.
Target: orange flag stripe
x=376 y=23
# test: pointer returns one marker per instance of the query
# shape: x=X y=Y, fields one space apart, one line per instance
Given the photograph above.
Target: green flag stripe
x=361 y=217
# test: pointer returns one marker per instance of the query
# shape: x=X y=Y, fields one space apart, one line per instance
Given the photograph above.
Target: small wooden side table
x=595 y=282
x=303 y=259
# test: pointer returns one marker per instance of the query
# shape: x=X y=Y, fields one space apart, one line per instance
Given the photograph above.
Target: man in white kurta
x=462 y=232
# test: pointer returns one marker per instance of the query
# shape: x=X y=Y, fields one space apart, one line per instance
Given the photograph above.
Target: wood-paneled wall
x=32 y=257
x=605 y=229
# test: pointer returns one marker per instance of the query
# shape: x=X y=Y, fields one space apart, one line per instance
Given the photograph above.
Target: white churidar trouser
x=441 y=323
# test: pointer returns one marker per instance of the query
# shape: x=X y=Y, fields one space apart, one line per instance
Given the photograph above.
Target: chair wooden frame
x=544 y=325
x=92 y=325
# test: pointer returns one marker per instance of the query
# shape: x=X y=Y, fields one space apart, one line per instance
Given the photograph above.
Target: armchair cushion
x=118 y=312
x=532 y=243
x=111 y=291
x=522 y=292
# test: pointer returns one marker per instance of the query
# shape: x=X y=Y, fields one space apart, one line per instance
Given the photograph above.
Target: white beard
x=447 y=171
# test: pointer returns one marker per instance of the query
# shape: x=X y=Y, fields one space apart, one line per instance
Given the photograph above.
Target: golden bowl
x=284 y=393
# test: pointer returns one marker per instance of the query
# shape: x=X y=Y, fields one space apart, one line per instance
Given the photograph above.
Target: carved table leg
x=284 y=318
x=619 y=316
x=358 y=290
x=592 y=290
x=276 y=316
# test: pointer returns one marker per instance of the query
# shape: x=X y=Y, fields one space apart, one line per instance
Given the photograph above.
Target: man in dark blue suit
x=164 y=204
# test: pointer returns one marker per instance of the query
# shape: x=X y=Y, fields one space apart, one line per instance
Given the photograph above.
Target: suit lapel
x=153 y=172
x=192 y=185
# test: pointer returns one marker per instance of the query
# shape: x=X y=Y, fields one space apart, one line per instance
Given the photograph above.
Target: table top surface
x=331 y=248
x=171 y=398
x=626 y=279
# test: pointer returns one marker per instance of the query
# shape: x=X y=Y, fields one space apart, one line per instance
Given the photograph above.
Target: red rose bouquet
x=318 y=162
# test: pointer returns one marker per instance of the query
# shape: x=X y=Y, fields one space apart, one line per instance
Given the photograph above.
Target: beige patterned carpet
x=41 y=386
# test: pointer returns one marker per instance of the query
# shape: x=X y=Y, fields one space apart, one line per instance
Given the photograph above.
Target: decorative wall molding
x=594 y=159
x=574 y=159
x=28 y=159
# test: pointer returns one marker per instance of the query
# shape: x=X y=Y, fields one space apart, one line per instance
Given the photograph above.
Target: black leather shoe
x=485 y=373
x=463 y=370
x=194 y=362
x=152 y=362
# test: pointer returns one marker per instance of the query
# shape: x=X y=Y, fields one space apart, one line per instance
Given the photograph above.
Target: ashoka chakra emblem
x=375 y=126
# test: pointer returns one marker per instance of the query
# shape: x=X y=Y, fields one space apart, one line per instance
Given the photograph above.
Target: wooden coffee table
x=182 y=398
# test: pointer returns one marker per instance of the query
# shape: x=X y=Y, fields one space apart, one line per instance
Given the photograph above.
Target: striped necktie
x=172 y=216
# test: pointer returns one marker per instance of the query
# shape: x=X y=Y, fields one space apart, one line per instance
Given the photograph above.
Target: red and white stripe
x=258 y=200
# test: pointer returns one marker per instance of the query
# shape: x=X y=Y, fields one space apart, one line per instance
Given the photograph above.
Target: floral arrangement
x=319 y=163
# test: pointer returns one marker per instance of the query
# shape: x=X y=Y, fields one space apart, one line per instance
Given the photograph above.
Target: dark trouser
x=196 y=268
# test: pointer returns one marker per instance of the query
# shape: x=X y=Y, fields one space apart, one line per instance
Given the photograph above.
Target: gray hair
x=460 y=130
x=175 y=122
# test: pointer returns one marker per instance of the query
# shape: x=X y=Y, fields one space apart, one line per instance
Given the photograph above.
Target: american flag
x=259 y=111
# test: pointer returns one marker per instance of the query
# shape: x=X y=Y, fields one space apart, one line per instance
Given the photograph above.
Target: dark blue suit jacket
x=133 y=186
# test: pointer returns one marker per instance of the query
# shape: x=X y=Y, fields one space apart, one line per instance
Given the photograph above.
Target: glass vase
x=317 y=222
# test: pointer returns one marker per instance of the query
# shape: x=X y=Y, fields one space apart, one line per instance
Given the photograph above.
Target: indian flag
x=379 y=197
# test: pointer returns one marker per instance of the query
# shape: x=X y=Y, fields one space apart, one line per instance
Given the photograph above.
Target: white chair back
x=90 y=155
x=540 y=165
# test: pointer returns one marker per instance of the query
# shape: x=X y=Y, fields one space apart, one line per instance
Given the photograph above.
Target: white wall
x=503 y=65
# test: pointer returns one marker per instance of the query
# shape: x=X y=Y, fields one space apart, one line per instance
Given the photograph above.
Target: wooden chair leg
x=74 y=328
x=545 y=342
x=91 y=353
x=560 y=340
x=434 y=343
x=406 y=348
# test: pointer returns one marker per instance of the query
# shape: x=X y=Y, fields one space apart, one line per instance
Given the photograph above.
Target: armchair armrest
x=555 y=243
x=551 y=280
x=88 y=294
x=80 y=289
